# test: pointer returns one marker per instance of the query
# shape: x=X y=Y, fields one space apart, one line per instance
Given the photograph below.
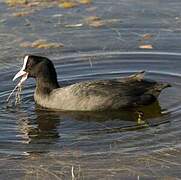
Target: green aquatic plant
x=140 y=120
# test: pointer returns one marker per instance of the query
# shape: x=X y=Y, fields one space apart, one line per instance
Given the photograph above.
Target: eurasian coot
x=96 y=95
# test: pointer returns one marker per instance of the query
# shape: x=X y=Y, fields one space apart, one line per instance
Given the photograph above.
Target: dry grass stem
x=17 y=95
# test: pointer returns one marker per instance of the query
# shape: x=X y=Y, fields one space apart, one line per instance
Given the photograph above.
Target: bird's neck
x=44 y=85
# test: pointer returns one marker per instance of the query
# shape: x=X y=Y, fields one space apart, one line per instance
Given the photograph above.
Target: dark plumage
x=96 y=95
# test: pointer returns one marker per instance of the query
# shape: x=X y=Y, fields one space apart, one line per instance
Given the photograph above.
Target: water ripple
x=28 y=125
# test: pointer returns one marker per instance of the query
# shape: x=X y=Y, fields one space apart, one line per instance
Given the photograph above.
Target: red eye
x=29 y=63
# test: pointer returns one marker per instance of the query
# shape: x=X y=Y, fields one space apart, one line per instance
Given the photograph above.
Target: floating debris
x=95 y=21
x=72 y=172
x=147 y=36
x=147 y=46
x=73 y=25
x=41 y=43
x=30 y=4
x=47 y=3
x=16 y=2
x=72 y=4
x=57 y=15
x=92 y=18
x=98 y=23
x=85 y=1
x=44 y=44
x=145 y=41
x=27 y=4
x=68 y=5
x=20 y=14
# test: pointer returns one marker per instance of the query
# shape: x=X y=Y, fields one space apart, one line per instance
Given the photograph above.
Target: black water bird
x=96 y=95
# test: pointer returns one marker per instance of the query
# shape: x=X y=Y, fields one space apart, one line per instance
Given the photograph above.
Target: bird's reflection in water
x=41 y=127
x=148 y=112
x=122 y=120
x=46 y=124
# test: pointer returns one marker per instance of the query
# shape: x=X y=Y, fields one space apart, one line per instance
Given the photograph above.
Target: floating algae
x=17 y=91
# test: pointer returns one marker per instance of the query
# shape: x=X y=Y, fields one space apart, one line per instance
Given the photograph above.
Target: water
x=39 y=144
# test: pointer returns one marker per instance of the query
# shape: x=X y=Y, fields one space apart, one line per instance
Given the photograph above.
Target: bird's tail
x=139 y=76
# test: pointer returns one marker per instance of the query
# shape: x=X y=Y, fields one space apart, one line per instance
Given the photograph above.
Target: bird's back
x=104 y=95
